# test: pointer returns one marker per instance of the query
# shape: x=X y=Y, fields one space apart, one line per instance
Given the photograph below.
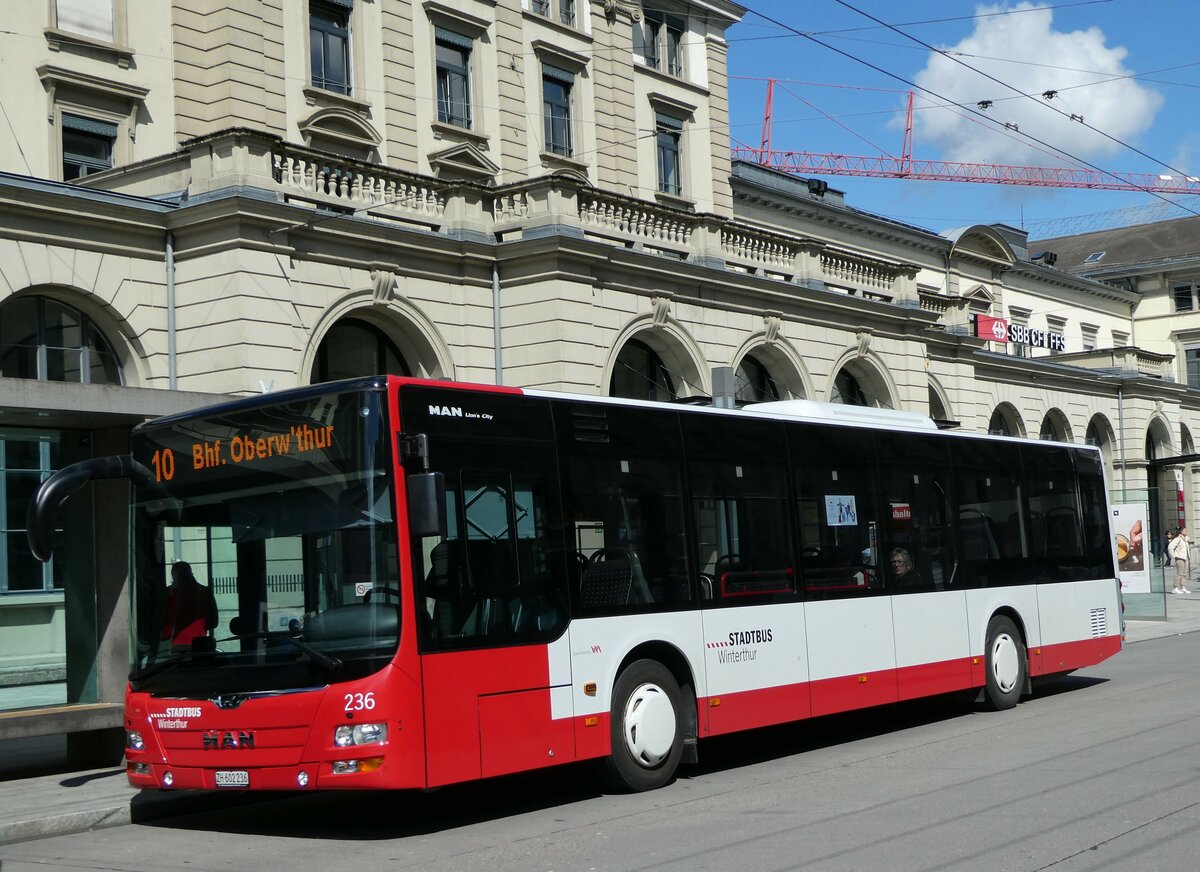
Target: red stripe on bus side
x=1065 y=656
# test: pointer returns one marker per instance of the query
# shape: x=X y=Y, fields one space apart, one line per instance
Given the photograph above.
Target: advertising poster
x=841 y=510
x=1129 y=531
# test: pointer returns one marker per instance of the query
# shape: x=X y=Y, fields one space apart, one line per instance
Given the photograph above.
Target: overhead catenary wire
x=1036 y=98
x=979 y=114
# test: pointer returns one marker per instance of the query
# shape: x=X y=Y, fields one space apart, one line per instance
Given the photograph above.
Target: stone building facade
x=221 y=198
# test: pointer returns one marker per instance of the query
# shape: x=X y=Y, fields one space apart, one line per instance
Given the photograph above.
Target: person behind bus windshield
x=902 y=567
x=191 y=608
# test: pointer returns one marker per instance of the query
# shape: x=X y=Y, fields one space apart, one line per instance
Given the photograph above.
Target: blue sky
x=1129 y=68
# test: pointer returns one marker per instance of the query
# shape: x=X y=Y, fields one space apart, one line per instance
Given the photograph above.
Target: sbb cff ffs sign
x=999 y=330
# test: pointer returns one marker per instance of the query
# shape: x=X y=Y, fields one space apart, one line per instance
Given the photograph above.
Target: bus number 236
x=357 y=702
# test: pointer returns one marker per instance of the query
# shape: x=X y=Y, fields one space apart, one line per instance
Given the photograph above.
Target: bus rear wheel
x=1006 y=664
x=647 y=728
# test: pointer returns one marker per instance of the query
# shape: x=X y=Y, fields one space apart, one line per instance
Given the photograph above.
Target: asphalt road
x=1101 y=771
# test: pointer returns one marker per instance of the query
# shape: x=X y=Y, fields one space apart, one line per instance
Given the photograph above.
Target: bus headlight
x=359 y=734
x=133 y=740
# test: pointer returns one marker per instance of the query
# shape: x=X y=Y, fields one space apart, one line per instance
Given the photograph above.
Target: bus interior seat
x=607 y=582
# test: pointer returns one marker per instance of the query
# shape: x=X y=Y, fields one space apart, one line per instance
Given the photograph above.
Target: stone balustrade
x=611 y=215
x=248 y=159
x=859 y=272
x=326 y=180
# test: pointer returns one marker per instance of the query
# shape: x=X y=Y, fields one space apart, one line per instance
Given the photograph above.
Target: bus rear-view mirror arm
x=59 y=487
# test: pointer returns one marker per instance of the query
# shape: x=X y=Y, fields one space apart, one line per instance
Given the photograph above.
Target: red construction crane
x=905 y=167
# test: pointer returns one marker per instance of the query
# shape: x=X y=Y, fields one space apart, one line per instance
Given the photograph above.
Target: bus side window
x=838 y=511
x=994 y=528
x=622 y=479
x=1097 y=542
x=1054 y=509
x=492 y=580
x=917 y=539
x=739 y=506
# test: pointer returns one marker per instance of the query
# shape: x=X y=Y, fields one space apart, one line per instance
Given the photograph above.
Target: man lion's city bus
x=419 y=583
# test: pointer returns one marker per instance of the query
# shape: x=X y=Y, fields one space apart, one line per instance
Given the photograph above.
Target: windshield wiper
x=318 y=656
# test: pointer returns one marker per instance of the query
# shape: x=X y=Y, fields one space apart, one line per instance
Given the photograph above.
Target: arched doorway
x=859 y=384
x=640 y=374
x=1005 y=421
x=1100 y=433
x=755 y=383
x=1160 y=484
x=354 y=348
x=1055 y=427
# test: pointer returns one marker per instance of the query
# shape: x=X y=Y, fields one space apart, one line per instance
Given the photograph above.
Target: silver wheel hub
x=648 y=725
x=1005 y=662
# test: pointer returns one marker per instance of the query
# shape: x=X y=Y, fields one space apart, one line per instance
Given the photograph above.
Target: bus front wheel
x=647 y=728
x=1006 y=664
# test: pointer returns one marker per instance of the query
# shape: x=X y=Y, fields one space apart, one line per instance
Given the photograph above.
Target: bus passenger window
x=994 y=531
x=1054 y=512
x=492 y=579
x=839 y=524
x=1097 y=544
x=917 y=538
x=626 y=498
x=739 y=506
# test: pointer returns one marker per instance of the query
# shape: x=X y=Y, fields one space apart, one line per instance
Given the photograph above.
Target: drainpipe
x=496 y=321
x=172 y=373
x=1121 y=438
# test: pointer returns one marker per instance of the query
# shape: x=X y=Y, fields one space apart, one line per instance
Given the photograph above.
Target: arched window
x=998 y=425
x=640 y=374
x=354 y=348
x=754 y=382
x=41 y=338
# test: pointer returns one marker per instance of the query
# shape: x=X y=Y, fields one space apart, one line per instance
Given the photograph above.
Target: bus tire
x=647 y=728
x=1005 y=664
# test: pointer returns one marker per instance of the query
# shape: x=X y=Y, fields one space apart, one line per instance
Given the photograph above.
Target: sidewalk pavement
x=40 y=795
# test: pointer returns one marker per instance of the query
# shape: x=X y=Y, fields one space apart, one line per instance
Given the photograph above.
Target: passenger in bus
x=903 y=573
x=191 y=610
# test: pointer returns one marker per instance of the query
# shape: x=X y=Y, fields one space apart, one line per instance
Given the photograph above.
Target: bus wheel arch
x=654 y=721
x=1006 y=661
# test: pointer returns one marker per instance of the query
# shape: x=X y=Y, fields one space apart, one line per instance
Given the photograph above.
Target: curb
x=64 y=824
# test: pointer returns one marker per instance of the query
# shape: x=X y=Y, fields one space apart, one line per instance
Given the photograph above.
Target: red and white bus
x=420 y=583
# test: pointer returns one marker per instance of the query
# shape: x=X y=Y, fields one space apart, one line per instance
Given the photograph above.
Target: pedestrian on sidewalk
x=1167 y=549
x=1180 y=557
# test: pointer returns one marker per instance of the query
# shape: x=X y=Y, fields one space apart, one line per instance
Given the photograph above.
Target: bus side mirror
x=426 y=504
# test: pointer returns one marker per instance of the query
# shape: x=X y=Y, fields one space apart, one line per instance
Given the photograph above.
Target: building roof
x=1158 y=243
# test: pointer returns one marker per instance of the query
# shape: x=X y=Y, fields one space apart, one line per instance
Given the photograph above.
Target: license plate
x=233 y=778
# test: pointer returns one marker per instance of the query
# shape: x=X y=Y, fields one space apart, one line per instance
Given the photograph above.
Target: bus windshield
x=265 y=547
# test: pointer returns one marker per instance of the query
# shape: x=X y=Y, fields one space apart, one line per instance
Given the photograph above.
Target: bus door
x=490 y=595
x=848 y=617
x=929 y=603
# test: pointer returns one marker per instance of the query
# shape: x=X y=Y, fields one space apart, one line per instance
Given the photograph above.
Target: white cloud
x=1122 y=108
